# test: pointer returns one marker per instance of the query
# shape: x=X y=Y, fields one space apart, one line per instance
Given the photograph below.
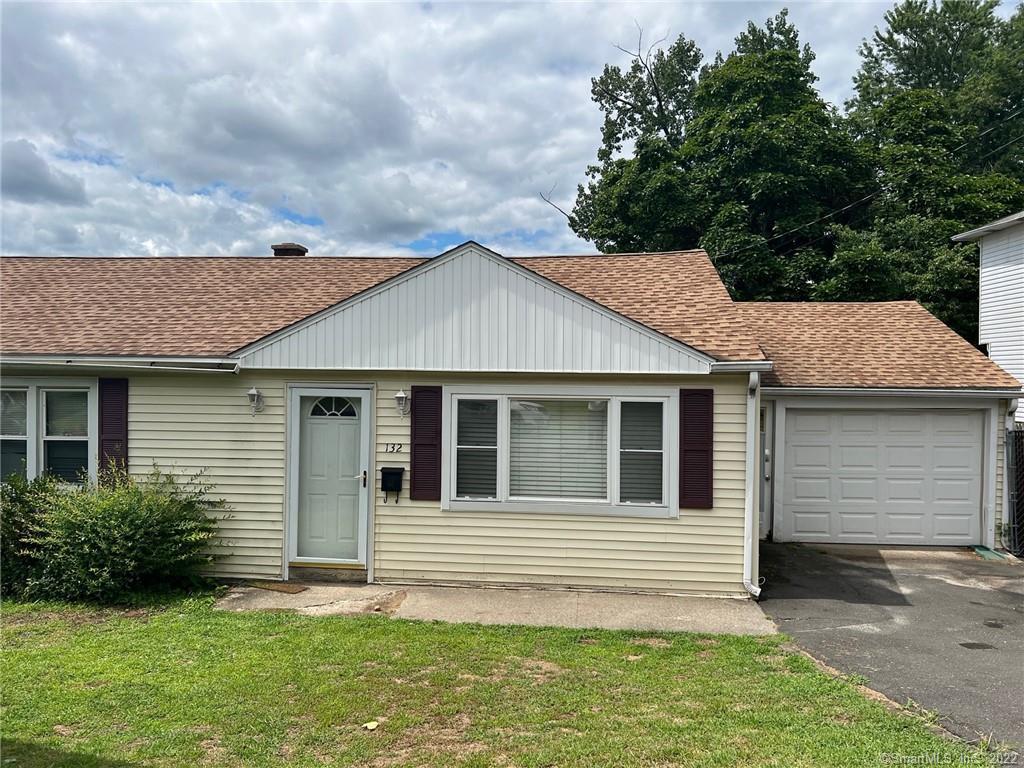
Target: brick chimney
x=289 y=249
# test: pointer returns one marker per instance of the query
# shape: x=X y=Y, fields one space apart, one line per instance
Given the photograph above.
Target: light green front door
x=331 y=481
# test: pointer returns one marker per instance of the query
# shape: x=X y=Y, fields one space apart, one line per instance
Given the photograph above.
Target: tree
x=964 y=54
x=742 y=157
x=744 y=151
x=641 y=202
x=936 y=96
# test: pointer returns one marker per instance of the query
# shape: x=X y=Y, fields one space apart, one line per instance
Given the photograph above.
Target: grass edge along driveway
x=182 y=684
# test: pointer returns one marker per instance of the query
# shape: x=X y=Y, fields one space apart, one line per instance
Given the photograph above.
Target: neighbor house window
x=48 y=428
x=561 y=451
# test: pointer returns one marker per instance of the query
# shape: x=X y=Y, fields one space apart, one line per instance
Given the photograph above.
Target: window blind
x=476 y=463
x=558 y=449
x=640 y=454
x=67 y=414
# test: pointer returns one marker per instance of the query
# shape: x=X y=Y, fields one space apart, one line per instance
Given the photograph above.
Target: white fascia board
x=437 y=261
x=892 y=392
x=995 y=226
x=741 y=366
x=208 y=364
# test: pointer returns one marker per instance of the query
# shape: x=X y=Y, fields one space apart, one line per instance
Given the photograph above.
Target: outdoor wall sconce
x=255 y=400
x=402 y=402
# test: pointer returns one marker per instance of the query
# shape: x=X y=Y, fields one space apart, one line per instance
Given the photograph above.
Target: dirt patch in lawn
x=541 y=670
x=651 y=642
x=440 y=736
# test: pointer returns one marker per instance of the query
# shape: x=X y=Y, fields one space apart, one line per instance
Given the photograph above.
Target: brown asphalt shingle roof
x=198 y=307
x=877 y=344
x=212 y=306
x=679 y=294
x=182 y=307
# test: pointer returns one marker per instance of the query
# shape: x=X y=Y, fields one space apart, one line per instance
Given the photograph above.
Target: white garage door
x=892 y=477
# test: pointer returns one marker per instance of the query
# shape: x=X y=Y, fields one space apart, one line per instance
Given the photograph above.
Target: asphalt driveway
x=943 y=628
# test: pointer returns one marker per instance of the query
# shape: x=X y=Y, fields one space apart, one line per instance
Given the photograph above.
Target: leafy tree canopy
x=793 y=200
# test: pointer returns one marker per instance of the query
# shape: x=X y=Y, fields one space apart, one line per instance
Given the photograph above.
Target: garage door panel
x=851 y=524
x=905 y=525
x=956 y=458
x=811 y=489
x=907 y=423
x=900 y=457
x=858 y=490
x=949 y=491
x=904 y=489
x=958 y=424
x=811 y=526
x=882 y=477
x=810 y=457
x=858 y=423
x=951 y=526
x=858 y=457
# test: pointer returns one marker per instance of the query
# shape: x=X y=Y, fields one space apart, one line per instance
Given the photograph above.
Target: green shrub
x=109 y=541
x=21 y=505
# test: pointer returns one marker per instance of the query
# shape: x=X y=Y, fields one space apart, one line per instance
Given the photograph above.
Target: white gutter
x=116 y=364
x=107 y=359
x=890 y=392
x=749 y=496
x=740 y=366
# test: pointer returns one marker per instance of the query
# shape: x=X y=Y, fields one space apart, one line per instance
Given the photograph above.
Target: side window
x=13 y=432
x=66 y=433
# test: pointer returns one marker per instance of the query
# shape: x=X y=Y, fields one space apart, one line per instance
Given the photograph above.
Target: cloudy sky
x=363 y=129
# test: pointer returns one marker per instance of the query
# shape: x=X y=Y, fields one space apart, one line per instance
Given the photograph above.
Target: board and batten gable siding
x=701 y=551
x=1001 y=300
x=473 y=312
x=188 y=423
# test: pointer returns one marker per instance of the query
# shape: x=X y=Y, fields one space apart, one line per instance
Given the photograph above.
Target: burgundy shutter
x=113 y=423
x=425 y=483
x=696 y=447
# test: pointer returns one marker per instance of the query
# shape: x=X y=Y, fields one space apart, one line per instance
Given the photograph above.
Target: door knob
x=361 y=475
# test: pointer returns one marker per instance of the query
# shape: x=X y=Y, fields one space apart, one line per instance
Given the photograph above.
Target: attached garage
x=867 y=476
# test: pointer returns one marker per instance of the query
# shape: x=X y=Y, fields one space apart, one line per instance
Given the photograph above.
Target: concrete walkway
x=533 y=607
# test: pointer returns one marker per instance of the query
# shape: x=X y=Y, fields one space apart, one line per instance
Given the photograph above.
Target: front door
x=330 y=508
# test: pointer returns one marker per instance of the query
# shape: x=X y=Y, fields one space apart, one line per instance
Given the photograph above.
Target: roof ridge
x=683 y=252
x=827 y=303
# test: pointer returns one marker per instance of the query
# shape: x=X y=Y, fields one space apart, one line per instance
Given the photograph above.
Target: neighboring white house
x=1001 y=286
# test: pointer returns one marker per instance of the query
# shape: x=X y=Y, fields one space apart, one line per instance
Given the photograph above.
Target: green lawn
x=184 y=685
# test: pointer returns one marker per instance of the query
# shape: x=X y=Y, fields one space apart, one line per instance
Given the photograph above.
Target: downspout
x=752 y=478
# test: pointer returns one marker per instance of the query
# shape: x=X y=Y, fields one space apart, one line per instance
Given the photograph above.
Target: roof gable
x=470 y=309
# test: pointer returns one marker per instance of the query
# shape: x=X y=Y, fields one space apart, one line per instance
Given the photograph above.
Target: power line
x=1003 y=146
x=883 y=188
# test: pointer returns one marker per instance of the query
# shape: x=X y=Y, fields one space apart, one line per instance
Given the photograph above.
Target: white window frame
x=35 y=425
x=609 y=506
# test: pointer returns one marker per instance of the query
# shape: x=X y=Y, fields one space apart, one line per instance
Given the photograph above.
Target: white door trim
x=294 y=418
x=988 y=407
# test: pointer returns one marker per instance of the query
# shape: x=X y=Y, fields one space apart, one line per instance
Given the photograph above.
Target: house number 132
x=393 y=447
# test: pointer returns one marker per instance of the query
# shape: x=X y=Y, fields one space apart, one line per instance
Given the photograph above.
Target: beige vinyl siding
x=185 y=423
x=190 y=422
x=701 y=551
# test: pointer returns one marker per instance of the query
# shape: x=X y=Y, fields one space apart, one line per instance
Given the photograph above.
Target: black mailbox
x=391 y=481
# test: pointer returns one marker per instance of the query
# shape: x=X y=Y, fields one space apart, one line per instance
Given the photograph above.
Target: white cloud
x=201 y=129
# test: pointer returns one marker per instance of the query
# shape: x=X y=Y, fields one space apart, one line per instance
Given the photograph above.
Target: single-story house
x=606 y=421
